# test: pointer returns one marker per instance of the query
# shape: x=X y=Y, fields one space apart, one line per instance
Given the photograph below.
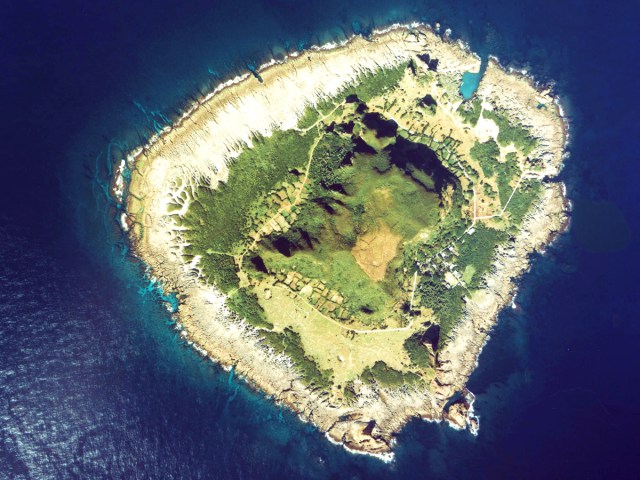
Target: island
x=342 y=227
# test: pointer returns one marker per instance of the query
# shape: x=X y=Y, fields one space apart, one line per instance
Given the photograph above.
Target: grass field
x=331 y=346
x=339 y=270
x=404 y=205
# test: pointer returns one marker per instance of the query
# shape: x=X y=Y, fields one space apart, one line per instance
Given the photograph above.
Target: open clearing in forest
x=330 y=345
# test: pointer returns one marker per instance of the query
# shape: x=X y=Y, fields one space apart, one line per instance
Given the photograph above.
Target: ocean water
x=95 y=382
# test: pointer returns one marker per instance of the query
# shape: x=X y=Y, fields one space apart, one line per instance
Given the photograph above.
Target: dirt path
x=305 y=180
x=321 y=119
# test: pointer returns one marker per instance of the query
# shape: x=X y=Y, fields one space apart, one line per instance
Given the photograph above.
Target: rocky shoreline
x=198 y=149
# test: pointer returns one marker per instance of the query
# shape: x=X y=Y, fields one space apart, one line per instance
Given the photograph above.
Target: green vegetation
x=217 y=219
x=245 y=303
x=367 y=86
x=488 y=190
x=219 y=270
x=352 y=197
x=309 y=117
x=507 y=173
x=380 y=162
x=470 y=111
x=478 y=250
x=417 y=351
x=405 y=205
x=374 y=84
x=339 y=270
x=467 y=273
x=329 y=154
x=510 y=133
x=446 y=302
x=486 y=154
x=289 y=343
x=429 y=105
x=349 y=393
x=522 y=200
x=450 y=229
x=381 y=374
x=474 y=257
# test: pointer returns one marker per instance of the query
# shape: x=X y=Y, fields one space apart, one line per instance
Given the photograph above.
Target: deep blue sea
x=95 y=383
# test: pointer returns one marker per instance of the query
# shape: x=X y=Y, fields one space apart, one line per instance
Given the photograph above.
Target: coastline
x=241 y=351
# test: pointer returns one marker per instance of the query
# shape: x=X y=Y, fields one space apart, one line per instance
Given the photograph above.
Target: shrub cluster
x=385 y=376
x=245 y=303
x=446 y=303
x=510 y=133
x=329 y=154
x=478 y=250
x=470 y=111
x=506 y=173
x=217 y=219
x=486 y=154
x=289 y=343
x=417 y=351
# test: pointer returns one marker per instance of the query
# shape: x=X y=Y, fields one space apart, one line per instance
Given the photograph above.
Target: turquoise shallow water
x=96 y=383
x=470 y=82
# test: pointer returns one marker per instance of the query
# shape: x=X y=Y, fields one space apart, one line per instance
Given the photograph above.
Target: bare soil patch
x=375 y=249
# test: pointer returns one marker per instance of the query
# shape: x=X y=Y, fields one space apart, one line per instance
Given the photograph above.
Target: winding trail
x=285 y=208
